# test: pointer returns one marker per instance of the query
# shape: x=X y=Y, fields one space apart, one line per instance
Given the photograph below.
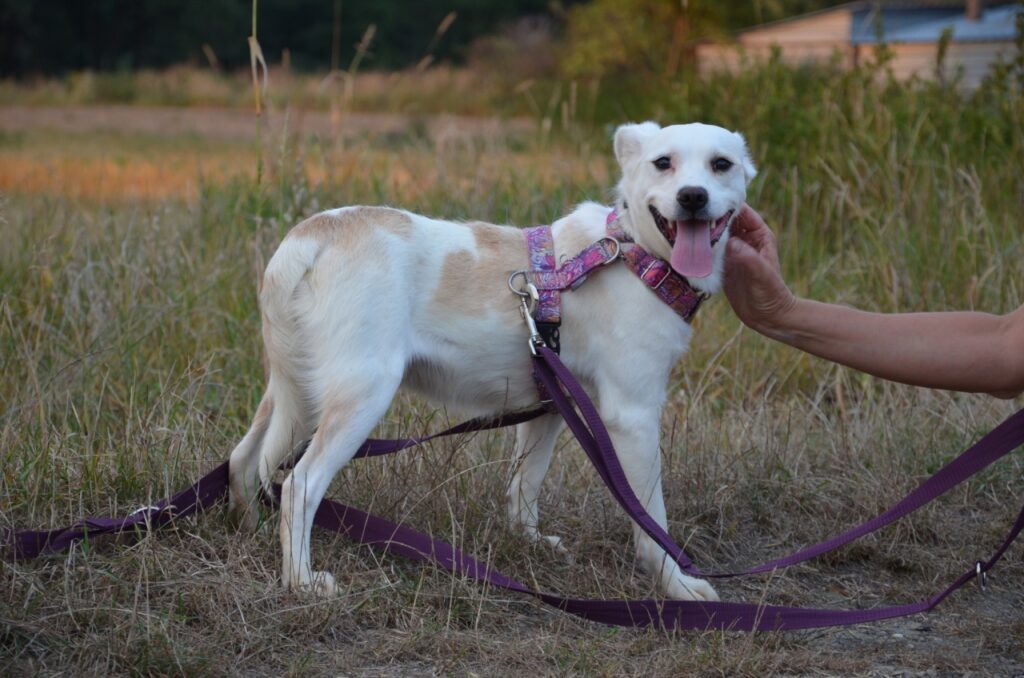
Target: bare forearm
x=963 y=351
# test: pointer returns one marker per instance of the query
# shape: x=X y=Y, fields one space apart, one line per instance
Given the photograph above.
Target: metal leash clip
x=145 y=509
x=149 y=513
x=528 y=299
x=982 y=576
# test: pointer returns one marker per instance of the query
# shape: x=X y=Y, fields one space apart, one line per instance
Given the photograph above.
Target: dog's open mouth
x=692 y=240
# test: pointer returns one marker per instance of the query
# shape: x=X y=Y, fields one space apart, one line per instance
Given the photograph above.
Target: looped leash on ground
x=580 y=414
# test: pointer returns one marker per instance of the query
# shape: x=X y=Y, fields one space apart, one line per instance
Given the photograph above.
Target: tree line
x=52 y=37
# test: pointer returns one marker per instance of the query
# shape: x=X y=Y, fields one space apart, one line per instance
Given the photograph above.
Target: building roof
x=917 y=21
x=869 y=23
x=994 y=24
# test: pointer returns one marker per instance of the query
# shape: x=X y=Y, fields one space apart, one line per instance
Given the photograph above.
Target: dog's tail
x=290 y=420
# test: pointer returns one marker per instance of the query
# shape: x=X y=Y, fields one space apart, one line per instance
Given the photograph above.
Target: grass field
x=131 y=364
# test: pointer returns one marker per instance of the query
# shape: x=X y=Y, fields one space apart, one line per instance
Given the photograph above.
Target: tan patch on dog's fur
x=480 y=280
x=351 y=225
x=335 y=414
x=572 y=239
x=268 y=281
x=264 y=410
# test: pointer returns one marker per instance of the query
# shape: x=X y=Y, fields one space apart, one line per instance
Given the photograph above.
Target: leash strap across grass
x=582 y=418
x=207 y=491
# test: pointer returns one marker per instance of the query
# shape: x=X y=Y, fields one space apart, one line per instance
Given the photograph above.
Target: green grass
x=130 y=363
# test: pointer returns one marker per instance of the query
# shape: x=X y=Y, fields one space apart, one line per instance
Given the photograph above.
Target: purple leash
x=207 y=491
x=595 y=441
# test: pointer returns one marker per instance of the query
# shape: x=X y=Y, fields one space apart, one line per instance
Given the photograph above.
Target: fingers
x=749 y=220
x=749 y=226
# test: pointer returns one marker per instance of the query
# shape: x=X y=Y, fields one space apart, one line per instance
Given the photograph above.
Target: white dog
x=358 y=302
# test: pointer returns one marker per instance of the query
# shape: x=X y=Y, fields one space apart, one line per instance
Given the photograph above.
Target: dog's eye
x=663 y=163
x=721 y=164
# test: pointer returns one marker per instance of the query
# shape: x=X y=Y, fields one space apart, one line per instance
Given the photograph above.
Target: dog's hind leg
x=243 y=470
x=348 y=415
x=535 y=444
x=281 y=422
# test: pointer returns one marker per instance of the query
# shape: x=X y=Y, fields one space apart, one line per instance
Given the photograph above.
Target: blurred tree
x=54 y=36
x=656 y=37
x=609 y=36
x=51 y=36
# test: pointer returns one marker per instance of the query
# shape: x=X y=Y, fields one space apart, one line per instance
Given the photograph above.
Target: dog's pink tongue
x=691 y=253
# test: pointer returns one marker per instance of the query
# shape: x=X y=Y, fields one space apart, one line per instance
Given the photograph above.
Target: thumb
x=737 y=249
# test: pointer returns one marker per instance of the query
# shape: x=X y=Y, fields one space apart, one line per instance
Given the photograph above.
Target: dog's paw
x=688 y=588
x=323 y=585
x=243 y=505
x=555 y=544
x=319 y=585
x=244 y=517
x=548 y=541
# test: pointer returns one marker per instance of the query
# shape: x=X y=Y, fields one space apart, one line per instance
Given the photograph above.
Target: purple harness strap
x=550 y=279
x=540 y=247
x=594 y=440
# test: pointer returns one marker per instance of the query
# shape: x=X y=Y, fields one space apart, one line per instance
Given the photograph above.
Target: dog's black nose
x=692 y=198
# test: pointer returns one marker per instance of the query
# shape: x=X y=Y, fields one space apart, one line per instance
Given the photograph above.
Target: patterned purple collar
x=672 y=288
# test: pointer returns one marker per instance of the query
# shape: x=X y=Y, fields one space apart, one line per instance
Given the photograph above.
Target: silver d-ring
x=528 y=294
x=618 y=249
x=521 y=291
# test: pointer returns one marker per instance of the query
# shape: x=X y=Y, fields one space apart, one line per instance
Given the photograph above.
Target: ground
x=131 y=365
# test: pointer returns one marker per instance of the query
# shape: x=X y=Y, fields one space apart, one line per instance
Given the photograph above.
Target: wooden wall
x=826 y=36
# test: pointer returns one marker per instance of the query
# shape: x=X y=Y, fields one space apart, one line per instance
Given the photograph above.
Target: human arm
x=961 y=351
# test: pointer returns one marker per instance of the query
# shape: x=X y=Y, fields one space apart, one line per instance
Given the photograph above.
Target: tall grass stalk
x=258 y=66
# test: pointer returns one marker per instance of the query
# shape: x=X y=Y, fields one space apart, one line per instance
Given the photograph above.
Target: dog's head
x=683 y=185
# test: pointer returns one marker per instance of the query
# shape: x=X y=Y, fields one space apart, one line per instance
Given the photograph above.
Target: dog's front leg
x=535 y=443
x=635 y=433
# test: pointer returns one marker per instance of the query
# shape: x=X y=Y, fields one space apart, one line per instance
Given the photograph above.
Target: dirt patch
x=220 y=123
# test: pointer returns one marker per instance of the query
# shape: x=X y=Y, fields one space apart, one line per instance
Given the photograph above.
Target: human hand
x=753 y=281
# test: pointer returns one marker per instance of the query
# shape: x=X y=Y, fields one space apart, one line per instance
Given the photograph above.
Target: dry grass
x=93 y=163
x=439 y=89
x=131 y=363
x=173 y=175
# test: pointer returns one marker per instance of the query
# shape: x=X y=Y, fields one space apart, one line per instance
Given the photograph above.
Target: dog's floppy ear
x=749 y=171
x=629 y=139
